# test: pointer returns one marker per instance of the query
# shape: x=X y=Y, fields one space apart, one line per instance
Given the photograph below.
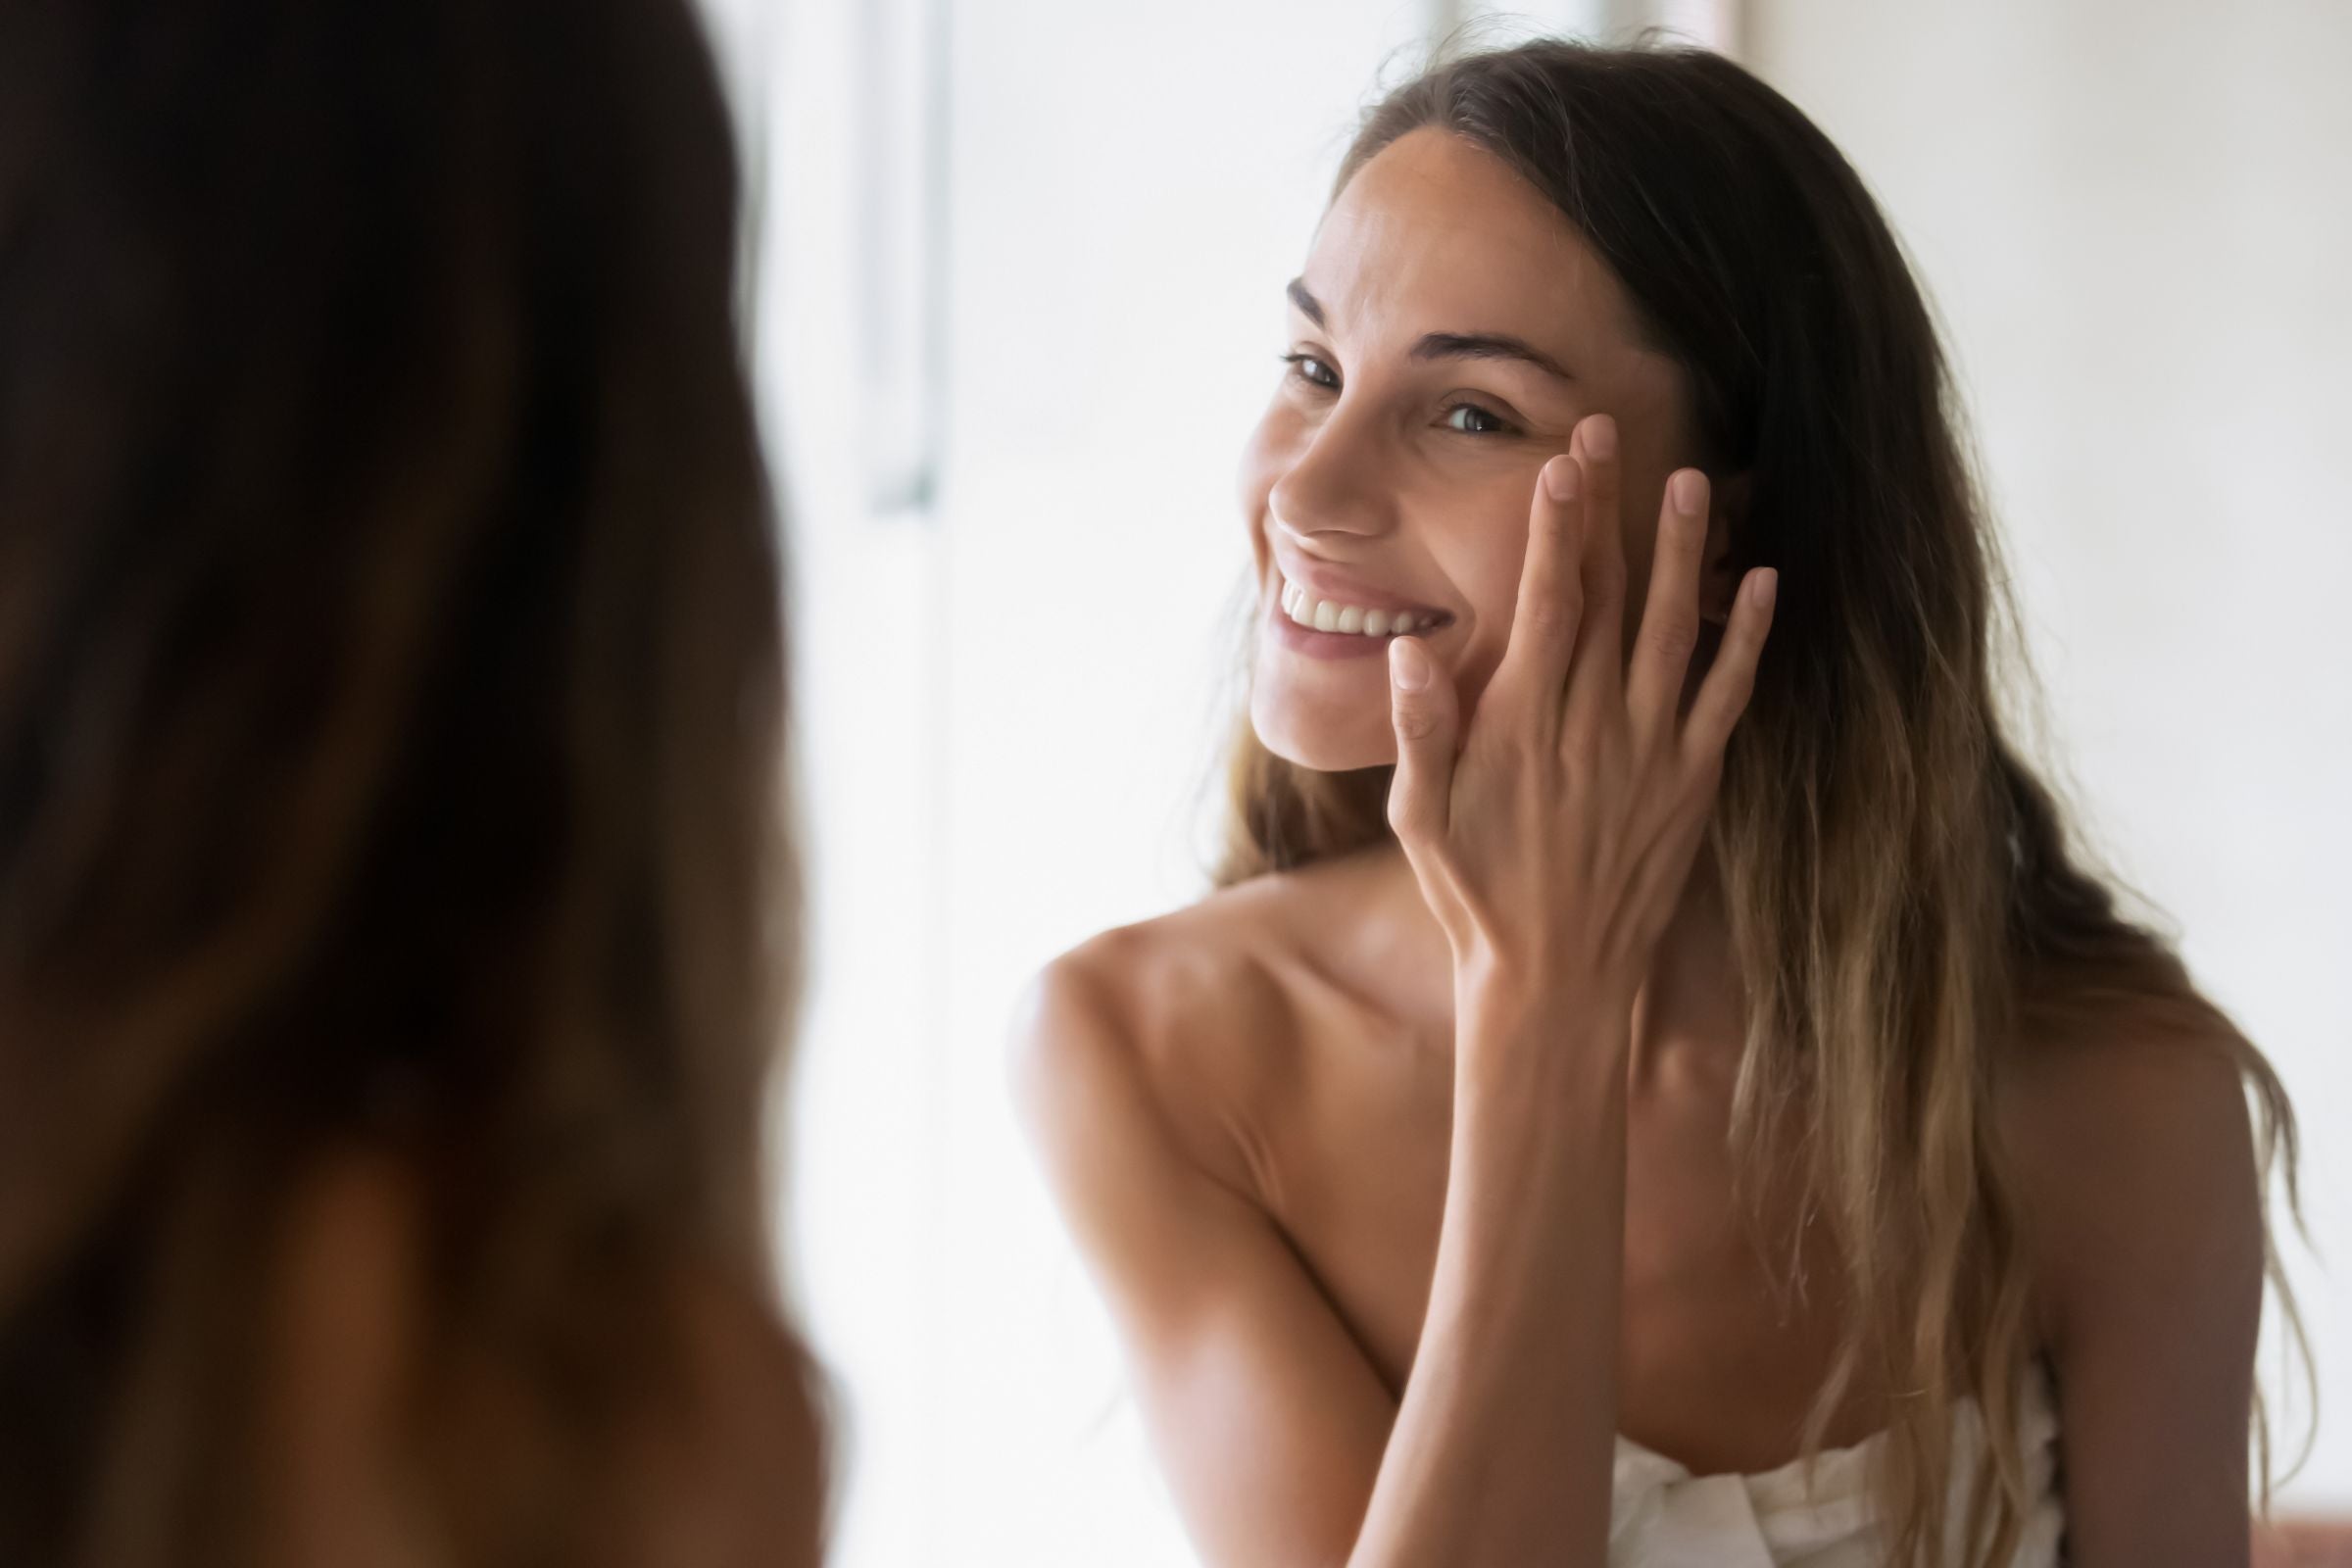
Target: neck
x=1689 y=1009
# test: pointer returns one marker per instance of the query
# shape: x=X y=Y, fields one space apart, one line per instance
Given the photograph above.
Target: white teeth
x=1329 y=614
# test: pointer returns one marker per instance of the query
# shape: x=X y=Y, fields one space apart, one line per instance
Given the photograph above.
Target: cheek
x=1643 y=499
x=1480 y=544
x=1265 y=458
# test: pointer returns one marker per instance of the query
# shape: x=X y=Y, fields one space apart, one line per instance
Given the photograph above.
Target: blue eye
x=1471 y=419
x=1313 y=371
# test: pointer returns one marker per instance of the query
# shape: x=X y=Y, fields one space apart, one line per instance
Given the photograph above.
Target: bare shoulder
x=1182 y=1020
x=2135 y=1158
x=730 y=1467
x=343 y=1304
x=721 y=1463
x=2133 y=1096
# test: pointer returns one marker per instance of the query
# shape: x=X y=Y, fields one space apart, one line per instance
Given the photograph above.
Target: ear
x=1726 y=514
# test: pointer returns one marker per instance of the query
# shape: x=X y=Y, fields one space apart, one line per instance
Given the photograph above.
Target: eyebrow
x=1448 y=345
x=1308 y=306
x=1488 y=346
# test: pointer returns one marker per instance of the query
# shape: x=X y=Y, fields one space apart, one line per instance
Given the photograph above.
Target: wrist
x=1539 y=1047
x=1495 y=996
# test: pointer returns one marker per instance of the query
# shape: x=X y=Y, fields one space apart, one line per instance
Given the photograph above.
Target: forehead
x=1435 y=234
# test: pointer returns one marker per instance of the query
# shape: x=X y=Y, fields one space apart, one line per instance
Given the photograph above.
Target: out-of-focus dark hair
x=391 y=707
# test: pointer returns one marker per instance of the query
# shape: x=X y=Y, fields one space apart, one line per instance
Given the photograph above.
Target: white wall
x=1009 y=707
x=2135 y=216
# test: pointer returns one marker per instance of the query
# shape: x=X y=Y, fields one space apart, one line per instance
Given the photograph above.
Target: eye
x=1306 y=367
x=1470 y=420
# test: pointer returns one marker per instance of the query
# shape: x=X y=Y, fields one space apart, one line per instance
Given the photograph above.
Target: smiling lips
x=1332 y=616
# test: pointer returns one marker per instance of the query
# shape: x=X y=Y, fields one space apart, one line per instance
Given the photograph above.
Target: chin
x=1321 y=735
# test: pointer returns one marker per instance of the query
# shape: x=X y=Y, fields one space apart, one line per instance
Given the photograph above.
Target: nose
x=1336 y=486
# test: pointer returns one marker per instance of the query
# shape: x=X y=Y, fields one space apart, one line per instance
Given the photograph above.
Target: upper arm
x=1268 y=1418
x=2143 y=1215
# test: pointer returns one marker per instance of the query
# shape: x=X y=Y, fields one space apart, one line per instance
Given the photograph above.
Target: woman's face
x=1449 y=332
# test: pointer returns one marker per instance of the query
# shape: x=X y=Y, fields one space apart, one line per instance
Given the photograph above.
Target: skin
x=723 y=1471
x=1404 y=1175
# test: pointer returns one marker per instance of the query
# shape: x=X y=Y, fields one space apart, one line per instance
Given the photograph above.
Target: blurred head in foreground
x=391 y=698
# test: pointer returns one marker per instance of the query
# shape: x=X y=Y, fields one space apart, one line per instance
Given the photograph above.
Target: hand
x=1553 y=840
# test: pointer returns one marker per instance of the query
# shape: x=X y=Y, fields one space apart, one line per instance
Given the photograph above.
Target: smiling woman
x=1626 y=1055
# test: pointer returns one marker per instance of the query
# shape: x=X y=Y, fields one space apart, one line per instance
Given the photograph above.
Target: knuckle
x=1404 y=816
x=1605 y=583
x=1674 y=636
x=1513 y=752
x=1416 y=723
x=1702 y=779
x=1550 y=615
x=1704 y=740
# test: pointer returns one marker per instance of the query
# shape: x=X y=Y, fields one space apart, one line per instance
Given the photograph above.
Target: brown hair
x=391 y=701
x=1895 y=870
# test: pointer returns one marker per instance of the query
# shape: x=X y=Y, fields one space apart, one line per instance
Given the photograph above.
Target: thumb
x=1422 y=705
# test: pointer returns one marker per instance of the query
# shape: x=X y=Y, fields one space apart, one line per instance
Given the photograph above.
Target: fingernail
x=1559 y=478
x=1600 y=436
x=1408 y=665
x=1689 y=492
x=1767 y=587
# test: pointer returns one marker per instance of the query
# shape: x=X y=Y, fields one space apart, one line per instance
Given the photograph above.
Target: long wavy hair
x=1902 y=890
x=391 y=712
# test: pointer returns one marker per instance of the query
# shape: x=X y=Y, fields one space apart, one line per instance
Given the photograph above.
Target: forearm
x=1502 y=1448
x=1550 y=838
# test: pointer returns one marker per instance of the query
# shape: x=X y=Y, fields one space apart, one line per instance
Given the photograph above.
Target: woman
x=390 y=696
x=1539 y=1148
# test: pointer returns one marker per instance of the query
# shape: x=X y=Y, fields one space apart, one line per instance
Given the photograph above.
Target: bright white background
x=2133 y=217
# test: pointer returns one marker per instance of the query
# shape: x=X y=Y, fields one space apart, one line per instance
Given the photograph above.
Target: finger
x=1669 y=635
x=1598 y=665
x=1723 y=695
x=1551 y=588
x=1422 y=707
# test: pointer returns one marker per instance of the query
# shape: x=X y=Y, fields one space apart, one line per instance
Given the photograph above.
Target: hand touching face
x=1449 y=333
